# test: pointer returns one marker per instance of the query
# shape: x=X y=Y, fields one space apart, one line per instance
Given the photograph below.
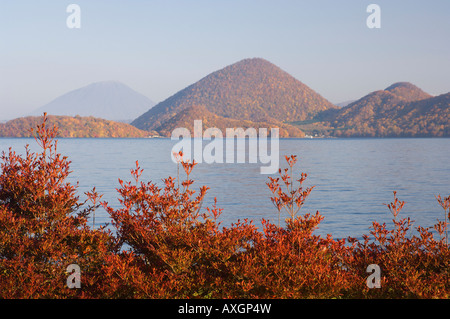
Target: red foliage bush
x=166 y=245
x=412 y=266
x=171 y=237
x=43 y=226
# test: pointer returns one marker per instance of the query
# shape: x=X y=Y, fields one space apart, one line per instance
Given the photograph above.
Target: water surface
x=352 y=177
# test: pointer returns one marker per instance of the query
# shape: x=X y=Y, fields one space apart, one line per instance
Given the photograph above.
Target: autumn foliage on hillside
x=165 y=244
x=72 y=126
x=400 y=110
x=384 y=114
x=407 y=92
x=252 y=90
x=187 y=117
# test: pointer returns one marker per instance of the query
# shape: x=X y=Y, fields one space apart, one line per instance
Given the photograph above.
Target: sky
x=158 y=47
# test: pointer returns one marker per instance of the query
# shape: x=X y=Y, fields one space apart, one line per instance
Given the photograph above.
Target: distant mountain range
x=109 y=100
x=345 y=103
x=256 y=93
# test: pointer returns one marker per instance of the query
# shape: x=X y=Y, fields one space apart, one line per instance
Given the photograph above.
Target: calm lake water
x=352 y=177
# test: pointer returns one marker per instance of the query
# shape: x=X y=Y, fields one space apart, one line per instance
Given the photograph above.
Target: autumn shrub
x=291 y=261
x=171 y=237
x=43 y=225
x=412 y=265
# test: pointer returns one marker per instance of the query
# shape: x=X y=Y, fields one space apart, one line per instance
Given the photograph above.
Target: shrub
x=412 y=266
x=172 y=238
x=43 y=225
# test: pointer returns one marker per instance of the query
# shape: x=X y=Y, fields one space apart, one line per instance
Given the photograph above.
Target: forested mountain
x=407 y=91
x=401 y=110
x=72 y=127
x=186 y=118
x=252 y=90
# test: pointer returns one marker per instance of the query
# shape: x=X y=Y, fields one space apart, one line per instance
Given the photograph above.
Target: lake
x=352 y=177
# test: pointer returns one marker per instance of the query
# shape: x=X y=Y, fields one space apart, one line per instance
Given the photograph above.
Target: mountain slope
x=71 y=127
x=187 y=116
x=374 y=105
x=251 y=89
x=408 y=91
x=400 y=110
x=109 y=100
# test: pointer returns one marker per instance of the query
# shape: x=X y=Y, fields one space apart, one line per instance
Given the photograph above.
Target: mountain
x=72 y=127
x=401 y=110
x=408 y=91
x=375 y=104
x=252 y=90
x=109 y=100
x=345 y=103
x=381 y=103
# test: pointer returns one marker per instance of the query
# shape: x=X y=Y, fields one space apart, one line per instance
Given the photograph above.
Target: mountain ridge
x=69 y=126
x=400 y=110
x=407 y=91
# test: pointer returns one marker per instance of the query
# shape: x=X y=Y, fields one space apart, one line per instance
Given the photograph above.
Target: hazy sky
x=160 y=47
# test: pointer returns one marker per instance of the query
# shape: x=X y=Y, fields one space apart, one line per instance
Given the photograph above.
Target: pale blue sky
x=159 y=47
